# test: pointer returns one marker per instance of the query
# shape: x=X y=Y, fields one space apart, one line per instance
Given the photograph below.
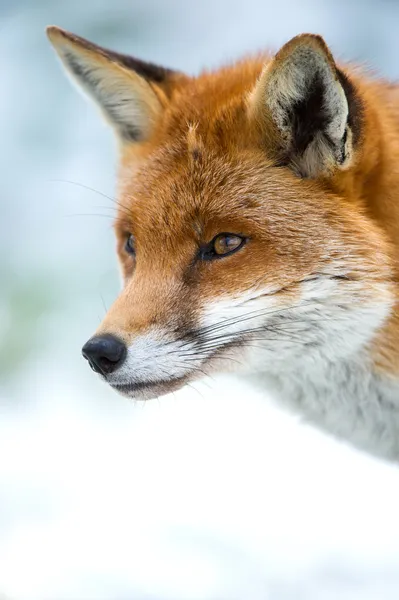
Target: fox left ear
x=309 y=111
x=131 y=93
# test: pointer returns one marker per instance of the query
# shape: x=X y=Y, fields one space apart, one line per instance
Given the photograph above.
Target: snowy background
x=210 y=494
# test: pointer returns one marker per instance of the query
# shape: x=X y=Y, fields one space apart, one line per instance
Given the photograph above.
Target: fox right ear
x=308 y=110
x=130 y=92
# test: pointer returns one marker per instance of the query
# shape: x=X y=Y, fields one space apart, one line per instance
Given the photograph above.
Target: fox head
x=239 y=234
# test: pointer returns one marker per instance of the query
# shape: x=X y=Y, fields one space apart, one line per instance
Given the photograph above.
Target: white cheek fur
x=329 y=320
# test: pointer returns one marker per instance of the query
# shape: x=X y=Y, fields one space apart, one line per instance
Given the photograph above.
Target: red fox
x=257 y=231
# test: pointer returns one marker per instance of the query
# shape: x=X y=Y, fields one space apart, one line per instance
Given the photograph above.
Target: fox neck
x=345 y=398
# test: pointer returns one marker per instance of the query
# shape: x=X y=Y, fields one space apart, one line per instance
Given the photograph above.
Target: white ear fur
x=300 y=92
x=127 y=100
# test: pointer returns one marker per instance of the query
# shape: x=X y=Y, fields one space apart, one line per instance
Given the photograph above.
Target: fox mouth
x=146 y=390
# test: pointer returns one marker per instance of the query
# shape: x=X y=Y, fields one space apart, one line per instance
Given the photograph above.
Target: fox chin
x=149 y=390
x=257 y=231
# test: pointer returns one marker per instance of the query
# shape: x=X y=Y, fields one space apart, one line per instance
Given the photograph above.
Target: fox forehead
x=205 y=147
x=195 y=184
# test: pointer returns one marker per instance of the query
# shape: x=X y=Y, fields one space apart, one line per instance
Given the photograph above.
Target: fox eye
x=222 y=245
x=129 y=246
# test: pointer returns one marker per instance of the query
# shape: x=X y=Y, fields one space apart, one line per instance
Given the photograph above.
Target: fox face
x=239 y=235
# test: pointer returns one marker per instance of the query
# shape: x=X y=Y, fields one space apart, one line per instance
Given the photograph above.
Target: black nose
x=105 y=353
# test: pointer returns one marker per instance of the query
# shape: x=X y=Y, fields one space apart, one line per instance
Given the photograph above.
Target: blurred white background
x=209 y=494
